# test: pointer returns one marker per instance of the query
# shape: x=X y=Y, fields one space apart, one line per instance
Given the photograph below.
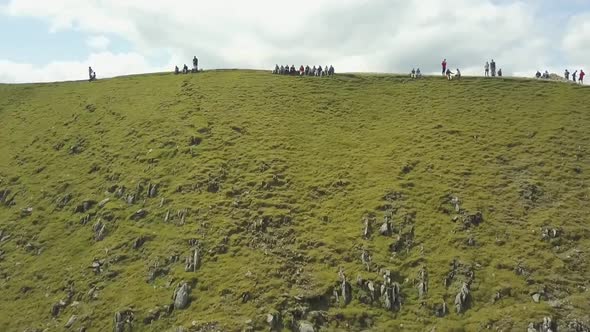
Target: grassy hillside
x=272 y=180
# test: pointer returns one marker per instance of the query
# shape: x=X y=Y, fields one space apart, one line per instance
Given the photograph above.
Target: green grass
x=312 y=157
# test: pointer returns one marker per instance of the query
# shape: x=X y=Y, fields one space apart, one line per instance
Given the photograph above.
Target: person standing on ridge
x=90 y=71
x=500 y=72
x=566 y=75
x=493 y=68
x=582 y=74
x=444 y=67
x=487 y=69
x=413 y=73
x=195 y=64
x=574 y=75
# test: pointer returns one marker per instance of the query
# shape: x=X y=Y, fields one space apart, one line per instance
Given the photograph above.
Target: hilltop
x=359 y=202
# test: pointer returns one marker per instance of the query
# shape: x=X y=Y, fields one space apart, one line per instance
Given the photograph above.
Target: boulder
x=182 y=296
x=305 y=326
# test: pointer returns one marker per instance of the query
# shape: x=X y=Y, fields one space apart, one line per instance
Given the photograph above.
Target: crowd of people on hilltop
x=186 y=70
x=490 y=69
x=304 y=71
x=575 y=77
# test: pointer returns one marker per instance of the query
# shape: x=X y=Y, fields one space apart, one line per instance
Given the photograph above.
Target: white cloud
x=100 y=43
x=105 y=64
x=353 y=35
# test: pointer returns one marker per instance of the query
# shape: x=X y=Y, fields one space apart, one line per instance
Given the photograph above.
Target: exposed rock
x=387 y=228
x=441 y=310
x=366 y=227
x=86 y=219
x=403 y=242
x=366 y=259
x=273 y=321
x=192 y=261
x=123 y=321
x=577 y=326
x=152 y=190
x=182 y=296
x=26 y=212
x=97 y=266
x=85 y=206
x=100 y=230
x=462 y=299
x=6 y=198
x=546 y=326
x=548 y=233
x=537 y=297
x=345 y=294
x=305 y=326
x=71 y=321
x=138 y=242
x=390 y=293
x=57 y=307
x=63 y=201
x=422 y=282
x=104 y=202
x=139 y=214
x=472 y=219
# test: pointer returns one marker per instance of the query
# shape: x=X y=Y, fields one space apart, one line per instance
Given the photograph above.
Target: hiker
x=449 y=74
x=331 y=70
x=493 y=68
x=413 y=73
x=185 y=69
x=487 y=69
x=90 y=71
x=538 y=75
x=314 y=71
x=418 y=73
x=319 y=72
x=287 y=70
x=93 y=76
x=195 y=64
x=546 y=75
x=458 y=74
x=500 y=72
x=582 y=74
x=326 y=69
x=176 y=70
x=293 y=71
x=566 y=75
x=574 y=75
x=444 y=66
x=301 y=70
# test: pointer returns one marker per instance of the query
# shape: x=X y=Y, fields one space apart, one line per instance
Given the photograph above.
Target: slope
x=297 y=195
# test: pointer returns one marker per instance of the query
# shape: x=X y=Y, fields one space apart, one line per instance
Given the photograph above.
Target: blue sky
x=57 y=39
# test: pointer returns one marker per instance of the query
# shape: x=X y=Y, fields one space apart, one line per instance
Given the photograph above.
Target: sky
x=56 y=40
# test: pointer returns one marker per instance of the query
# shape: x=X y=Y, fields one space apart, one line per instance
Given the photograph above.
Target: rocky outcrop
x=182 y=296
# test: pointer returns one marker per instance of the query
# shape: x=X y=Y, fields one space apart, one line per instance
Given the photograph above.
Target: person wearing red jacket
x=301 y=70
x=444 y=67
x=581 y=77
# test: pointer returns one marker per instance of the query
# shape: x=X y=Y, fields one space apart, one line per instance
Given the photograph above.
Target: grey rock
x=305 y=326
x=104 y=202
x=71 y=321
x=182 y=296
x=537 y=297
x=139 y=214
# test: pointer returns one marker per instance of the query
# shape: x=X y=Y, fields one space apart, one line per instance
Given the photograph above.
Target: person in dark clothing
x=493 y=68
x=195 y=64
x=319 y=73
x=90 y=71
x=449 y=74
x=331 y=70
x=500 y=72
x=566 y=75
x=185 y=69
x=575 y=75
x=176 y=70
x=444 y=66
